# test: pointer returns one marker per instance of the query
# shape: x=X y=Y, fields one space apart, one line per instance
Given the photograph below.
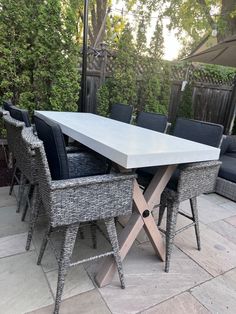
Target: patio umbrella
x=221 y=54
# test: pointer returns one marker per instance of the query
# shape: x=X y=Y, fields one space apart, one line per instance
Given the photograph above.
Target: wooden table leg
x=141 y=217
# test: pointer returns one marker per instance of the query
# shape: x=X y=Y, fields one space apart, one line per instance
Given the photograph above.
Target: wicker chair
x=193 y=180
x=72 y=201
x=14 y=128
x=121 y=112
x=194 y=175
x=152 y=121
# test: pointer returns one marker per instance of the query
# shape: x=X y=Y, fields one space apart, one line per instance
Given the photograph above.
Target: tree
x=196 y=18
x=39 y=59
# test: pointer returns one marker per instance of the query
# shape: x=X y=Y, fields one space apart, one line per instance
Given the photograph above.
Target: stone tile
x=24 y=284
x=219 y=294
x=184 y=303
x=6 y=199
x=215 y=198
x=230 y=205
x=217 y=254
x=13 y=244
x=77 y=281
x=231 y=220
x=10 y=222
x=209 y=211
x=146 y=282
x=85 y=303
x=225 y=229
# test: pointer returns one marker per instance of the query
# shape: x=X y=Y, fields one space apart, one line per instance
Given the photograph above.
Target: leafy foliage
x=39 y=57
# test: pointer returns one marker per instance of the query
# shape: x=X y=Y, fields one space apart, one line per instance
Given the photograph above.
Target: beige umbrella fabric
x=223 y=53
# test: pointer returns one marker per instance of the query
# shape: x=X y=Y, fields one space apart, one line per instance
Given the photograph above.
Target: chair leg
x=111 y=230
x=44 y=244
x=12 y=180
x=28 y=201
x=172 y=212
x=93 y=228
x=161 y=211
x=33 y=216
x=20 y=192
x=64 y=263
x=193 y=203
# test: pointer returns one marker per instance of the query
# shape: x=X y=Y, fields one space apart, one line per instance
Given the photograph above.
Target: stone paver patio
x=198 y=282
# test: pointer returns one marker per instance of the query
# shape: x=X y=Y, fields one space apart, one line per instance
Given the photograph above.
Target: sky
x=171 y=43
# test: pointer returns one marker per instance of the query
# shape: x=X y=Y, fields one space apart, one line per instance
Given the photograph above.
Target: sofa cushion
x=228 y=168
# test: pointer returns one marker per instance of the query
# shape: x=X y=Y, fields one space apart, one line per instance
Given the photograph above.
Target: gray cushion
x=228 y=168
x=152 y=121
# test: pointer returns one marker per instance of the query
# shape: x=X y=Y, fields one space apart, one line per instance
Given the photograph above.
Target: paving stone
x=146 y=282
x=13 y=244
x=225 y=229
x=85 y=303
x=22 y=284
x=184 y=303
x=5 y=198
x=230 y=205
x=10 y=222
x=209 y=211
x=219 y=294
x=231 y=220
x=217 y=254
x=77 y=281
x=215 y=198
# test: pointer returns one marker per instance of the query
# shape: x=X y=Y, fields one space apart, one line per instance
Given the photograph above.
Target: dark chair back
x=199 y=131
x=121 y=112
x=54 y=144
x=20 y=115
x=152 y=121
x=6 y=104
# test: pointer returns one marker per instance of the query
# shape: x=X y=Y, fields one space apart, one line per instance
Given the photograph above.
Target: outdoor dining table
x=133 y=147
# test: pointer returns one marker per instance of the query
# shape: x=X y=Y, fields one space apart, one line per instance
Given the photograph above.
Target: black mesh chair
x=188 y=181
x=199 y=131
x=6 y=104
x=20 y=115
x=121 y=112
x=152 y=121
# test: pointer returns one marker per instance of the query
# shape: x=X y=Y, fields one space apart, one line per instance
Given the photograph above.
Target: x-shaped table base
x=141 y=217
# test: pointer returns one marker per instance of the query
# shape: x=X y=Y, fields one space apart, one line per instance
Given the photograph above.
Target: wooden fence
x=213 y=99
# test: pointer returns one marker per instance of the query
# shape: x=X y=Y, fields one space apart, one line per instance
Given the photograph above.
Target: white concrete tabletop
x=128 y=145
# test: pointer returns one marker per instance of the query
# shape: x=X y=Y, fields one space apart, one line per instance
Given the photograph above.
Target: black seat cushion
x=228 y=168
x=6 y=104
x=121 y=112
x=199 y=131
x=152 y=121
x=51 y=135
x=20 y=115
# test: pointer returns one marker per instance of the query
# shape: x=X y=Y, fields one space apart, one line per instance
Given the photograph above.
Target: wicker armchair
x=14 y=128
x=193 y=180
x=72 y=201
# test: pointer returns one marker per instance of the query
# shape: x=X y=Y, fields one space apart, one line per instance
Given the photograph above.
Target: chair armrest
x=91 y=198
x=197 y=178
x=85 y=164
x=87 y=181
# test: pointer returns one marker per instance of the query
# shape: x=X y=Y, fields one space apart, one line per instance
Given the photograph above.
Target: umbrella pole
x=83 y=93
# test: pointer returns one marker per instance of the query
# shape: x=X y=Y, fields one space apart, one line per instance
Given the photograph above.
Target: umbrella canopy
x=223 y=53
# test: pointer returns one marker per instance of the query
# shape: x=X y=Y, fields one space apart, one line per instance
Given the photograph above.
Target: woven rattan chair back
x=14 y=128
x=152 y=121
x=121 y=112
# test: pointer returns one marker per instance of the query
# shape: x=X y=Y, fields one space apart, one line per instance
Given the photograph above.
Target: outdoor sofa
x=226 y=181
